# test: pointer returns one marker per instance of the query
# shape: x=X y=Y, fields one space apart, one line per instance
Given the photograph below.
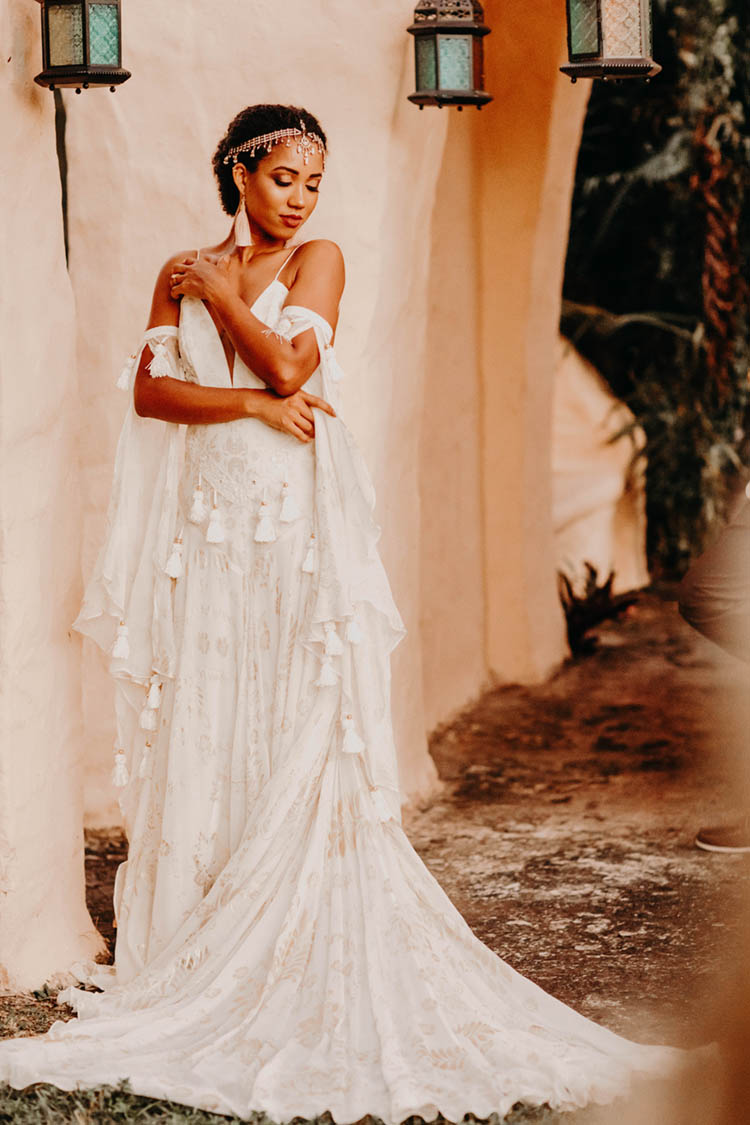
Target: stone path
x=564 y=833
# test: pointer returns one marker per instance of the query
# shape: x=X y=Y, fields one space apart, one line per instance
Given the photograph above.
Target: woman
x=280 y=945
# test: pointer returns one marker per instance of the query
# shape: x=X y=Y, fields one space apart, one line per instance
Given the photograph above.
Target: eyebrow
x=295 y=171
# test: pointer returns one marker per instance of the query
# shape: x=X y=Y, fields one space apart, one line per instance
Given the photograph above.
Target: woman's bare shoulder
x=173 y=260
x=321 y=256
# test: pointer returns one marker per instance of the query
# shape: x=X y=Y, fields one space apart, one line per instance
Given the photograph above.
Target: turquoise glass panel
x=104 y=35
x=65 y=34
x=584 y=28
x=454 y=62
x=426 y=66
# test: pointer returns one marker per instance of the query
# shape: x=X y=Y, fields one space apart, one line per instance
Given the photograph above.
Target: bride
x=280 y=945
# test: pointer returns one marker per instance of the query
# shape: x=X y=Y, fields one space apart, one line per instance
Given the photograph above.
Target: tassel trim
x=144 y=768
x=123 y=379
x=120 y=775
x=308 y=566
x=198 y=507
x=175 y=563
x=289 y=507
x=353 y=632
x=352 y=743
x=121 y=647
x=153 y=699
x=333 y=643
x=332 y=364
x=215 y=529
x=265 y=532
x=160 y=364
x=327 y=677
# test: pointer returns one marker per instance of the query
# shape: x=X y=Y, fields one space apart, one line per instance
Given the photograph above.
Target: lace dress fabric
x=281 y=947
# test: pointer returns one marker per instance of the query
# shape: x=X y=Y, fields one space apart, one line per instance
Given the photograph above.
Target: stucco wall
x=453 y=596
x=44 y=924
x=526 y=146
x=140 y=188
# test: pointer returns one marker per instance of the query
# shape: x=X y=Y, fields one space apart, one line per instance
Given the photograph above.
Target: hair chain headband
x=307 y=143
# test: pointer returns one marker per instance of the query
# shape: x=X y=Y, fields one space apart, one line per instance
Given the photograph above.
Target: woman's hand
x=205 y=278
x=292 y=414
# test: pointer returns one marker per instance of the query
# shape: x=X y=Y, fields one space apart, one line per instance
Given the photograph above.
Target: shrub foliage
x=655 y=290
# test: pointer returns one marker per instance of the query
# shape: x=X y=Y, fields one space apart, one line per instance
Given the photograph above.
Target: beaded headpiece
x=307 y=143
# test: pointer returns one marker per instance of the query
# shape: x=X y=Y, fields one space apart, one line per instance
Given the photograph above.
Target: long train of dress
x=281 y=947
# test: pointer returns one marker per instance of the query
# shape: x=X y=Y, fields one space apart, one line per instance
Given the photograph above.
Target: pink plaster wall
x=44 y=924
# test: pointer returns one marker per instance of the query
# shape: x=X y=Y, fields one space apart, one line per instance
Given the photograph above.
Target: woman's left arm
x=283 y=365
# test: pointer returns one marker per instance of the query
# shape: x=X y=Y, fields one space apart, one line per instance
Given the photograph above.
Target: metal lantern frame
x=593 y=59
x=436 y=19
x=84 y=73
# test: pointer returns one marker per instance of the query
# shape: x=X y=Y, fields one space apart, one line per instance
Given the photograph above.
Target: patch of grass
x=44 y=1104
x=103 y=1105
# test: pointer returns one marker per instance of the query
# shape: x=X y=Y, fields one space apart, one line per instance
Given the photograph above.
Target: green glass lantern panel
x=104 y=35
x=424 y=46
x=65 y=34
x=454 y=62
x=584 y=28
x=621 y=29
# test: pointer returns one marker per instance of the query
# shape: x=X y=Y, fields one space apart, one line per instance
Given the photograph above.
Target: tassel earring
x=242 y=233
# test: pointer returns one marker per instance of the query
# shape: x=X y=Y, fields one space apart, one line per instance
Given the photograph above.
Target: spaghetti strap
x=287 y=261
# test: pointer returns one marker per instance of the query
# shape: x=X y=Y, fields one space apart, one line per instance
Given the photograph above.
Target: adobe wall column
x=44 y=923
x=526 y=147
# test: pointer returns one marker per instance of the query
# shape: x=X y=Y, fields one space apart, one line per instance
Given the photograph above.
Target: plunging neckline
x=230 y=370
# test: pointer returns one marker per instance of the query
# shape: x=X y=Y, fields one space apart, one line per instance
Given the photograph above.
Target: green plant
x=655 y=289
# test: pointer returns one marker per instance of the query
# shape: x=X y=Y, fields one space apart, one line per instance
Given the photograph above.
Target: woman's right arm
x=173 y=400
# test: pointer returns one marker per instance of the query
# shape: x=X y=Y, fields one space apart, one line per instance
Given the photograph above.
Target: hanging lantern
x=81 y=44
x=609 y=39
x=448 y=53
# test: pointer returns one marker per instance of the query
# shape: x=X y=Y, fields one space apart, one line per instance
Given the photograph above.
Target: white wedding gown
x=281 y=947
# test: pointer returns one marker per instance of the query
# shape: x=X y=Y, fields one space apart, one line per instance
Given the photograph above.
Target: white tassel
x=289 y=506
x=120 y=775
x=382 y=808
x=174 y=567
x=215 y=529
x=332 y=365
x=123 y=379
x=144 y=767
x=159 y=365
x=149 y=719
x=309 y=564
x=265 y=532
x=334 y=647
x=153 y=699
x=121 y=647
x=327 y=677
x=198 y=507
x=352 y=743
x=353 y=632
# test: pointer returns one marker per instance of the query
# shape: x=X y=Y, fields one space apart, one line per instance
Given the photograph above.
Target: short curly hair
x=254 y=121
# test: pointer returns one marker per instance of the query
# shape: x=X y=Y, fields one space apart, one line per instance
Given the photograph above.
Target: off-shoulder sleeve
x=163 y=342
x=295 y=319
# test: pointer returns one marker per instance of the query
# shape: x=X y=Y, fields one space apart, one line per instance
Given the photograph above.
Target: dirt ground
x=564 y=831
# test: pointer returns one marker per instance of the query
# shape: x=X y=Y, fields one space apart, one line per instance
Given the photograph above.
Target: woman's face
x=281 y=194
